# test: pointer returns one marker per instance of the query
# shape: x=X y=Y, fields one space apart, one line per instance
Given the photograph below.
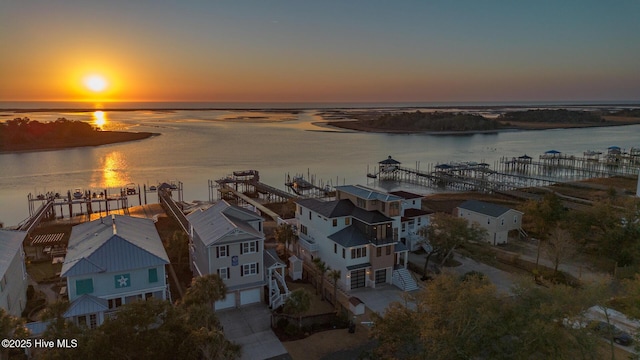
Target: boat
x=131 y=189
x=373 y=176
x=153 y=188
x=78 y=194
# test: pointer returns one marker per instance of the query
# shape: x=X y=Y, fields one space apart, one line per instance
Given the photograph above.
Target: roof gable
x=485 y=208
x=223 y=219
x=86 y=304
x=113 y=244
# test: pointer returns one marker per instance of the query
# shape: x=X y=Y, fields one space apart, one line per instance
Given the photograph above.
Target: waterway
x=197 y=145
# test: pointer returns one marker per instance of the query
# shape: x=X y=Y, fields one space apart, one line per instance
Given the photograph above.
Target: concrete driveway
x=250 y=326
x=378 y=299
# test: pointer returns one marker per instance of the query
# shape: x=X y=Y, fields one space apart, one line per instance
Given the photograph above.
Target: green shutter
x=153 y=275
x=84 y=286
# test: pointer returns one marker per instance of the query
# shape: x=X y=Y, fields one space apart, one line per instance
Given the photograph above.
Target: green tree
x=322 y=269
x=423 y=232
x=284 y=235
x=205 y=289
x=178 y=247
x=447 y=232
x=467 y=318
x=298 y=302
x=335 y=275
x=11 y=327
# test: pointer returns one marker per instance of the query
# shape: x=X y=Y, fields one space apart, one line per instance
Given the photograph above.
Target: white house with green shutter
x=113 y=261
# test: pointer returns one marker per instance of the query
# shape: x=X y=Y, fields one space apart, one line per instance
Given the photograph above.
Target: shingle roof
x=406 y=195
x=86 y=304
x=367 y=193
x=349 y=237
x=220 y=219
x=344 y=207
x=484 y=208
x=10 y=244
x=112 y=244
x=389 y=161
x=410 y=213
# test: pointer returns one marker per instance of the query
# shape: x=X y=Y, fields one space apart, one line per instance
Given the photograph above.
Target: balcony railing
x=307 y=243
x=383 y=241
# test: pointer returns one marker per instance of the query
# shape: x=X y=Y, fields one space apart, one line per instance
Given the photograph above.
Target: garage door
x=358 y=279
x=249 y=296
x=228 y=302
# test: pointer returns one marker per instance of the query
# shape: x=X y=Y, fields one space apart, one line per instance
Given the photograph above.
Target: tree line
x=432 y=121
x=552 y=116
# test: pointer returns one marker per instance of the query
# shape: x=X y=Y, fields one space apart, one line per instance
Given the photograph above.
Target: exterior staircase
x=403 y=279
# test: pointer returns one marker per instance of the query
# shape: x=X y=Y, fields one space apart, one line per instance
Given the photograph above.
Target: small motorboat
x=78 y=194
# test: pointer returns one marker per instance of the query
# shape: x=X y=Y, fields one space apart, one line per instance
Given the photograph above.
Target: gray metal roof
x=271 y=258
x=113 y=244
x=406 y=195
x=86 y=304
x=10 y=244
x=349 y=237
x=484 y=208
x=367 y=193
x=220 y=220
x=341 y=208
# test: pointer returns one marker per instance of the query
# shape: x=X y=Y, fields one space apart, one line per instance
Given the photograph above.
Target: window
x=249 y=247
x=343 y=253
x=404 y=226
x=84 y=286
x=488 y=220
x=93 y=321
x=358 y=252
x=384 y=206
x=309 y=214
x=419 y=220
x=335 y=248
x=222 y=251
x=115 y=303
x=361 y=203
x=260 y=226
x=378 y=251
x=515 y=219
x=303 y=229
x=347 y=221
x=501 y=221
x=223 y=273
x=335 y=222
x=250 y=269
x=153 y=275
x=299 y=209
x=413 y=202
x=388 y=250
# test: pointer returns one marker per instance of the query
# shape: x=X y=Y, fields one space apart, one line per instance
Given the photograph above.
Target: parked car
x=611 y=331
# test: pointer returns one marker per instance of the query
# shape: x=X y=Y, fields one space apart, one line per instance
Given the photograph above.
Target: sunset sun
x=95 y=83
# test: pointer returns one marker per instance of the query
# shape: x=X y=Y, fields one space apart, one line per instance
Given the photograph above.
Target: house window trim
x=246 y=247
x=250 y=269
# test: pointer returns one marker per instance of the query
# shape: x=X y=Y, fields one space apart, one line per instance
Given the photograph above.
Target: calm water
x=199 y=145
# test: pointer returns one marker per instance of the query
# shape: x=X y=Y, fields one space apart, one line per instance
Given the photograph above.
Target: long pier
x=513 y=173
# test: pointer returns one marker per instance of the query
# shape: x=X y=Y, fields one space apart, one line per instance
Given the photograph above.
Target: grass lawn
x=44 y=271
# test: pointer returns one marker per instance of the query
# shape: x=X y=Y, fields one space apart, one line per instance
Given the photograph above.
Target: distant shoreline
x=105 y=138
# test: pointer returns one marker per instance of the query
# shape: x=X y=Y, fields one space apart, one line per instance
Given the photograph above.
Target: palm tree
x=322 y=269
x=335 y=275
x=205 y=289
x=285 y=236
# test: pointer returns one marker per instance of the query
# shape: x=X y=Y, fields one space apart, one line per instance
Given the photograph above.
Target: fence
x=309 y=321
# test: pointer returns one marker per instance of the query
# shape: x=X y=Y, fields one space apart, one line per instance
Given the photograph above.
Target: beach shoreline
x=112 y=137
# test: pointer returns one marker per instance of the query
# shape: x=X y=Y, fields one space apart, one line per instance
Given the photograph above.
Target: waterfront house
x=13 y=274
x=413 y=218
x=497 y=220
x=229 y=241
x=113 y=261
x=357 y=234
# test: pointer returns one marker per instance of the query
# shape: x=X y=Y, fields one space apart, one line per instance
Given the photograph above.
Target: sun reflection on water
x=115 y=171
x=99 y=118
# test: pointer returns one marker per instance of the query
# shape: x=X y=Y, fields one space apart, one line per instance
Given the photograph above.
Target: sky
x=320 y=51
